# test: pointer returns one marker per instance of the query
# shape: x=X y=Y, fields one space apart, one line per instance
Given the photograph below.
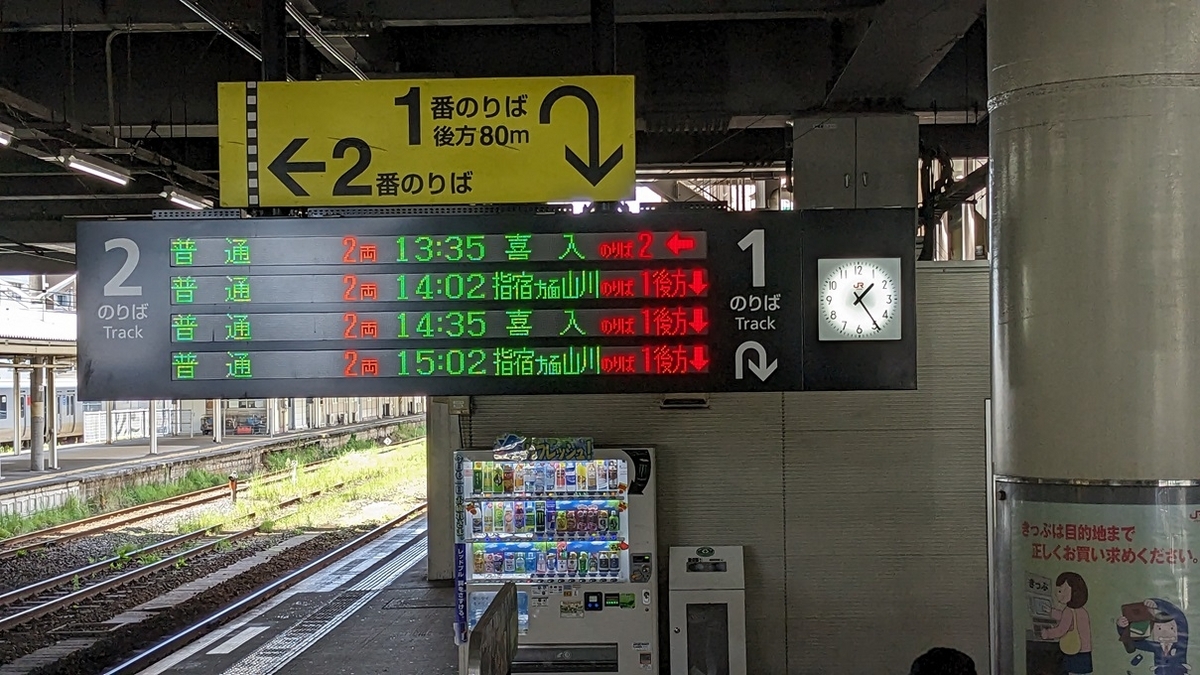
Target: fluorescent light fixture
x=186 y=199
x=96 y=167
x=7 y=134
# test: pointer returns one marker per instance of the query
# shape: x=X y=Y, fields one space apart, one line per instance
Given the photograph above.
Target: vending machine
x=573 y=527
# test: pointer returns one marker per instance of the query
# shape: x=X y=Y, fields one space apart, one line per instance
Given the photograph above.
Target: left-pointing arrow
x=283 y=168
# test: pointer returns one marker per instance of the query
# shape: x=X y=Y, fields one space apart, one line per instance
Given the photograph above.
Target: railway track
x=38 y=599
x=24 y=544
x=144 y=614
x=163 y=646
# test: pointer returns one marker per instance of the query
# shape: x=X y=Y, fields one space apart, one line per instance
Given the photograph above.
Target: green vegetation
x=307 y=454
x=143 y=494
x=389 y=483
x=12 y=524
x=362 y=475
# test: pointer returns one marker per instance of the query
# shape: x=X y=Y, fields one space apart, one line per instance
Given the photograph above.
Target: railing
x=493 y=643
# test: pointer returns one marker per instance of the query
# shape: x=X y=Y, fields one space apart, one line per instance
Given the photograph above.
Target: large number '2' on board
x=343 y=187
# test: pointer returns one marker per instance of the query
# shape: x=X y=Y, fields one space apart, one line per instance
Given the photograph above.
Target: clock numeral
x=858 y=269
x=860 y=329
x=844 y=324
x=885 y=283
x=885 y=314
x=829 y=298
x=832 y=285
x=832 y=315
x=889 y=300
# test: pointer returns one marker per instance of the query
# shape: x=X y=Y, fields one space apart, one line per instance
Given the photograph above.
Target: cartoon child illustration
x=1161 y=630
x=1074 y=628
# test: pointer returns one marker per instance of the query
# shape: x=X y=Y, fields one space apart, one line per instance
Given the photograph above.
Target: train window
x=3 y=407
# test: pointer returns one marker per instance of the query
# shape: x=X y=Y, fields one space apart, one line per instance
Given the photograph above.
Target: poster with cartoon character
x=1100 y=585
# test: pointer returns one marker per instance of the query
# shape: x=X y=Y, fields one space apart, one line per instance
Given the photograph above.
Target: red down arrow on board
x=678 y=243
x=700 y=357
x=699 y=282
x=699 y=321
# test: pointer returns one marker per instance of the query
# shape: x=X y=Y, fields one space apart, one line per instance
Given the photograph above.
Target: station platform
x=372 y=612
x=85 y=461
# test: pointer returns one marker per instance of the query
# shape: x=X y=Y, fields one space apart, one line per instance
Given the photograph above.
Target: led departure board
x=482 y=304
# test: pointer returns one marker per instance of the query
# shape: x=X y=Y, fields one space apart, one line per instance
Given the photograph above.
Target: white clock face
x=860 y=298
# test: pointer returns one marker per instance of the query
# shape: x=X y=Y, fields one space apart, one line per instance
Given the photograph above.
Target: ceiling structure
x=133 y=82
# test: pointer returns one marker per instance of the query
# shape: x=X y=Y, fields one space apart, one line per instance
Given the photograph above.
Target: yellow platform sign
x=397 y=142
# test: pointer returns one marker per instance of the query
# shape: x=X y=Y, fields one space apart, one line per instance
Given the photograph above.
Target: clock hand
x=864 y=306
x=859 y=298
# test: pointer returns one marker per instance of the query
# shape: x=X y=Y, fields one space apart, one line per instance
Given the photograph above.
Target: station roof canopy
x=132 y=83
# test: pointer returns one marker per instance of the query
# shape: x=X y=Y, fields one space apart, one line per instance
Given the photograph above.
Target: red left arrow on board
x=678 y=243
x=700 y=357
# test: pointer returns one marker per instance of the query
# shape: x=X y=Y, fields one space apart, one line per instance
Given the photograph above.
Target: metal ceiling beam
x=220 y=26
x=39 y=231
x=905 y=41
x=23 y=262
x=338 y=50
x=95 y=136
x=371 y=14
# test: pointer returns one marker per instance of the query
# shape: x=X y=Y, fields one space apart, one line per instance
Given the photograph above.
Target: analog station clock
x=860 y=298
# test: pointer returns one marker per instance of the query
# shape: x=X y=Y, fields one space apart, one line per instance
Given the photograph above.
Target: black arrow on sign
x=592 y=170
x=283 y=168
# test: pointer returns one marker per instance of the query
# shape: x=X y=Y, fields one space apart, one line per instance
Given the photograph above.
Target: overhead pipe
x=315 y=34
x=226 y=31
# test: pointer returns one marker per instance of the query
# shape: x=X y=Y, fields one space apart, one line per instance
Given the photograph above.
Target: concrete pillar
x=218 y=420
x=37 y=416
x=52 y=415
x=153 y=427
x=441 y=440
x=108 y=422
x=17 y=406
x=1097 y=286
x=1096 y=310
x=272 y=416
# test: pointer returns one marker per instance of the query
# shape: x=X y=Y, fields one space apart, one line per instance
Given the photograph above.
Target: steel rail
x=164 y=647
x=43 y=609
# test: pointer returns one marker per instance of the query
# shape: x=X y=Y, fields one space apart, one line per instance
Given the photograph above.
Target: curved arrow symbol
x=759 y=366
x=283 y=168
x=592 y=170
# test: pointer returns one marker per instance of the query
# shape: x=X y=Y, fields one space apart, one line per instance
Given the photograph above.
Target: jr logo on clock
x=860 y=299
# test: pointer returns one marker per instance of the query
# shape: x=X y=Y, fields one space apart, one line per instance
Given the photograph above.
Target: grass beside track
x=375 y=487
x=12 y=524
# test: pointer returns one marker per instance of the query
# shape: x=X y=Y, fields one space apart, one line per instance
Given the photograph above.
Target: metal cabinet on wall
x=864 y=162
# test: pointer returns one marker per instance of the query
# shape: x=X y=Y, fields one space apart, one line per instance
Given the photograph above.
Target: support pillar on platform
x=18 y=405
x=153 y=427
x=37 y=415
x=218 y=420
x=1096 y=357
x=441 y=440
x=108 y=422
x=52 y=415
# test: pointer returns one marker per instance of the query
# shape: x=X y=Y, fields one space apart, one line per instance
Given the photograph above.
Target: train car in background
x=69 y=411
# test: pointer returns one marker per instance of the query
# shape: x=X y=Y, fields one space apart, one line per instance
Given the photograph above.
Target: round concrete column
x=1095 y=151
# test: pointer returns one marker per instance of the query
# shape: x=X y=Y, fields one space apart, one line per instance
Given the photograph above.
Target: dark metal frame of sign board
x=794 y=240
